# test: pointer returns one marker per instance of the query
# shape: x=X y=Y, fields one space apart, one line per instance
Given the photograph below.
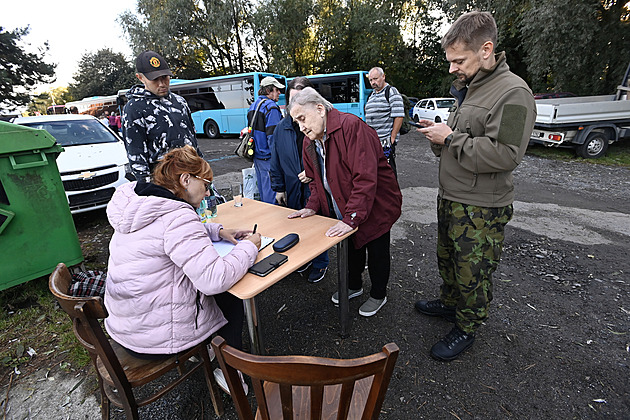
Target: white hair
x=308 y=96
x=379 y=70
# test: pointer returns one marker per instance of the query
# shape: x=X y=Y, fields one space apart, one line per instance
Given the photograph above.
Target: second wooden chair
x=306 y=386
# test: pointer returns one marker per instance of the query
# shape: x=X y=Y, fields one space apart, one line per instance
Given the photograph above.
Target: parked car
x=94 y=161
x=434 y=109
x=553 y=95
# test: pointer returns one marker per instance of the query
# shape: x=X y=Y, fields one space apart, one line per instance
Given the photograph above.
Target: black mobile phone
x=268 y=264
x=415 y=124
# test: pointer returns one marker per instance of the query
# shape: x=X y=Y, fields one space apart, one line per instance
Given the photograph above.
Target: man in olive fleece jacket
x=484 y=139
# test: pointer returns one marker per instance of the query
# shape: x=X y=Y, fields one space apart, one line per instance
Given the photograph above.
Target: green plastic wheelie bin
x=36 y=228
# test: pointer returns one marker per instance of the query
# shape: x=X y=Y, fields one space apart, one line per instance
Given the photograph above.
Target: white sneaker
x=195 y=359
x=222 y=382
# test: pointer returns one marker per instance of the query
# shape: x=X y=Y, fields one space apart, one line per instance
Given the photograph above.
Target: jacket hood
x=138 y=91
x=132 y=209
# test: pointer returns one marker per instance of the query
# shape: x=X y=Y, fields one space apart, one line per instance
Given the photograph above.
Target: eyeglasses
x=208 y=183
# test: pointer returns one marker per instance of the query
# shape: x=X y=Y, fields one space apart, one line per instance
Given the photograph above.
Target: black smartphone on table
x=268 y=264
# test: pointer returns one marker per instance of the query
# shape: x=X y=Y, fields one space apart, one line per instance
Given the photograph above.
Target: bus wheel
x=595 y=146
x=211 y=129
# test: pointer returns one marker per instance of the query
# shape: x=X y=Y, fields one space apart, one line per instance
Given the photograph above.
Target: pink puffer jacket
x=161 y=255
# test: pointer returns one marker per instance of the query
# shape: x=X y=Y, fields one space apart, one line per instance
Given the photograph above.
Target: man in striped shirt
x=384 y=112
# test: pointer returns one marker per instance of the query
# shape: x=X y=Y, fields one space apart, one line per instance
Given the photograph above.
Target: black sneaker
x=304 y=267
x=317 y=274
x=452 y=345
x=436 y=308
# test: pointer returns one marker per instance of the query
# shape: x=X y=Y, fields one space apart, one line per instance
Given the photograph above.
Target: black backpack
x=405 y=127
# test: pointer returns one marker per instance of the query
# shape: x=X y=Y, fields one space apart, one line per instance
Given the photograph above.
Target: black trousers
x=232 y=308
x=379 y=263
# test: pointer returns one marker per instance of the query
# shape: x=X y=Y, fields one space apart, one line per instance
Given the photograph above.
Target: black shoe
x=304 y=267
x=436 y=308
x=452 y=345
x=317 y=274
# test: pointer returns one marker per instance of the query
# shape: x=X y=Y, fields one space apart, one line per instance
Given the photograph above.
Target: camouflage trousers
x=469 y=246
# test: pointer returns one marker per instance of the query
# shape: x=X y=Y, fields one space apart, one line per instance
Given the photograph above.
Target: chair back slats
x=345 y=398
x=317 y=400
x=286 y=398
x=310 y=386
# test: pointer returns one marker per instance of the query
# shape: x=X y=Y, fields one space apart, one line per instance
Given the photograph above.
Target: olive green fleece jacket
x=491 y=130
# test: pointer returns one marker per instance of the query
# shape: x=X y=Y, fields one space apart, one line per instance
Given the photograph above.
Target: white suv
x=93 y=163
x=433 y=109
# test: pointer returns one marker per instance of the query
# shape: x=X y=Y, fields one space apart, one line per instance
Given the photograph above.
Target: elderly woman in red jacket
x=353 y=183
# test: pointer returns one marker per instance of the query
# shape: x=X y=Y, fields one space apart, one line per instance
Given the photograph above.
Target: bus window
x=219 y=105
x=348 y=91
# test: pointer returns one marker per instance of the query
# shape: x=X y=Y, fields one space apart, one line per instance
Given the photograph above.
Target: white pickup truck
x=587 y=123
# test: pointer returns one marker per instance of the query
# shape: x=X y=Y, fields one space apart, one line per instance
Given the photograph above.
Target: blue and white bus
x=219 y=104
x=348 y=91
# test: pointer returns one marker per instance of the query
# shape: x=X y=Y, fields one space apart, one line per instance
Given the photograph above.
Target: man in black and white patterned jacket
x=155 y=120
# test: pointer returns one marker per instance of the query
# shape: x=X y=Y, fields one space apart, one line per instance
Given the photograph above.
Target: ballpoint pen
x=255 y=227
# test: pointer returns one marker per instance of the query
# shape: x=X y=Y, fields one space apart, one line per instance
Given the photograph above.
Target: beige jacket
x=491 y=130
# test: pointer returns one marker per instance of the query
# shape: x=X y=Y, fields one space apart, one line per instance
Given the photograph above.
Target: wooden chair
x=117 y=371
x=308 y=387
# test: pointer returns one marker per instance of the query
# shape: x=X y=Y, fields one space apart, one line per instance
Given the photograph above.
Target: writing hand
x=255 y=239
x=232 y=235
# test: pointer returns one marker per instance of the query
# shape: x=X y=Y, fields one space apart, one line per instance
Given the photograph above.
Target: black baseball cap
x=152 y=65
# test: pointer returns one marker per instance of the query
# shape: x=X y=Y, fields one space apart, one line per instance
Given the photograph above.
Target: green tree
x=575 y=45
x=285 y=39
x=39 y=103
x=197 y=37
x=589 y=40
x=55 y=96
x=20 y=71
x=102 y=73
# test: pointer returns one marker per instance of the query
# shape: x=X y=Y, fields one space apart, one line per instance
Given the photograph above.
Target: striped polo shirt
x=380 y=114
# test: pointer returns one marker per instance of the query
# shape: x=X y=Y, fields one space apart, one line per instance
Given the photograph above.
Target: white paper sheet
x=223 y=247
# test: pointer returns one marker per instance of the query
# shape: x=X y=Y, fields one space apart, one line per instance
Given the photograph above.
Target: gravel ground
x=556 y=345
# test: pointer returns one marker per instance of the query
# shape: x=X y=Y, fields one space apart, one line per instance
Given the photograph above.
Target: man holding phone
x=484 y=139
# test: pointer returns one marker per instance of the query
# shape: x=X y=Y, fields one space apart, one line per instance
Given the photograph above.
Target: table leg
x=344 y=306
x=253 y=325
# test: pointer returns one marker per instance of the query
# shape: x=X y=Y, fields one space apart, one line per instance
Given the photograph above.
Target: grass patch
x=31 y=321
x=618 y=154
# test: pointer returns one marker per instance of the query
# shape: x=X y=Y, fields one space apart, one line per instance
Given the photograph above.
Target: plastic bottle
x=201 y=211
x=211 y=204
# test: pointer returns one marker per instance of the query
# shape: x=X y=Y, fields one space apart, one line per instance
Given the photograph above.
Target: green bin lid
x=18 y=138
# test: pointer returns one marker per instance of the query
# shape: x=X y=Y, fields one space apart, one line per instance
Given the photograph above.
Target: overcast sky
x=71 y=27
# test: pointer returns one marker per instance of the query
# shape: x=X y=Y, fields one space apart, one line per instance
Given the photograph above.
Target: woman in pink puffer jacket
x=166 y=284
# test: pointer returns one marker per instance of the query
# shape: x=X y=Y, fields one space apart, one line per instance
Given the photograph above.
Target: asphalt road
x=567 y=252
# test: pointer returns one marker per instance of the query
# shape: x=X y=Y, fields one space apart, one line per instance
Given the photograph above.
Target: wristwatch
x=448 y=140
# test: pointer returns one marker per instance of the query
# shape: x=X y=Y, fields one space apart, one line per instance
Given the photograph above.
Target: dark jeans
x=392 y=159
x=379 y=263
